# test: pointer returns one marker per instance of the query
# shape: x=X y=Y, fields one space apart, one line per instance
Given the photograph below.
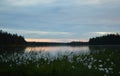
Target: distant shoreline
x=8 y=39
x=35 y=44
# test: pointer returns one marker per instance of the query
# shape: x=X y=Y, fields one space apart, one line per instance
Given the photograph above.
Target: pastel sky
x=60 y=20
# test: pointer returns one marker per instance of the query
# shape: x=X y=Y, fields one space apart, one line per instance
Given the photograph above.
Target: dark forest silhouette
x=11 y=39
x=14 y=39
x=110 y=39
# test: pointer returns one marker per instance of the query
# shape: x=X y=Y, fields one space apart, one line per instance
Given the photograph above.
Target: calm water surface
x=59 y=49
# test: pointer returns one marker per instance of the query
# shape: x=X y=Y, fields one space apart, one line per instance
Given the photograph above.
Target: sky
x=60 y=20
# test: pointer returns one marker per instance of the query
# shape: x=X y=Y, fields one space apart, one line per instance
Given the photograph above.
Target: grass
x=97 y=63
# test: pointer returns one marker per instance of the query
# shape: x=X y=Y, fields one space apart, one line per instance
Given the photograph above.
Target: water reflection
x=104 y=49
x=12 y=49
x=58 y=49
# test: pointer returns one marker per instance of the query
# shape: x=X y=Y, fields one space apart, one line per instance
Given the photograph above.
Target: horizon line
x=54 y=40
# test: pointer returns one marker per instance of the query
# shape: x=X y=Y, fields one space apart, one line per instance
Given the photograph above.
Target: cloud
x=26 y=2
x=39 y=33
x=60 y=18
x=94 y=34
x=102 y=33
x=86 y=2
x=23 y=3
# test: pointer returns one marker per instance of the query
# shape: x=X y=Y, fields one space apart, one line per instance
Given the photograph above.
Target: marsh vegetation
x=61 y=60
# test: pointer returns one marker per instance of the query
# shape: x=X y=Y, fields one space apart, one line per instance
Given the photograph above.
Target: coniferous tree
x=110 y=39
x=11 y=39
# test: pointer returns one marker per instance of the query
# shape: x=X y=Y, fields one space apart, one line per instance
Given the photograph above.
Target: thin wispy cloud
x=51 y=2
x=40 y=33
x=94 y=34
x=23 y=3
x=104 y=33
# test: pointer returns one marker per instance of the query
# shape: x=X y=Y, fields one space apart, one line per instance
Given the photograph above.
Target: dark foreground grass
x=58 y=67
x=103 y=62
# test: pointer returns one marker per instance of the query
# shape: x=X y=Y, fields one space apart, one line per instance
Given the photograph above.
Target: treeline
x=14 y=39
x=46 y=44
x=56 y=43
x=110 y=39
x=77 y=43
x=11 y=39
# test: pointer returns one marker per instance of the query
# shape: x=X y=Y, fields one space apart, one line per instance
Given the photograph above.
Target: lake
x=54 y=50
x=102 y=60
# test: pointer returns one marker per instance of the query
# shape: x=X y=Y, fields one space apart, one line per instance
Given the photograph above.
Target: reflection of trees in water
x=107 y=58
x=11 y=49
x=105 y=49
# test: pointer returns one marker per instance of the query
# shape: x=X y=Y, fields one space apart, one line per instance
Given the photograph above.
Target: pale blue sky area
x=60 y=19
